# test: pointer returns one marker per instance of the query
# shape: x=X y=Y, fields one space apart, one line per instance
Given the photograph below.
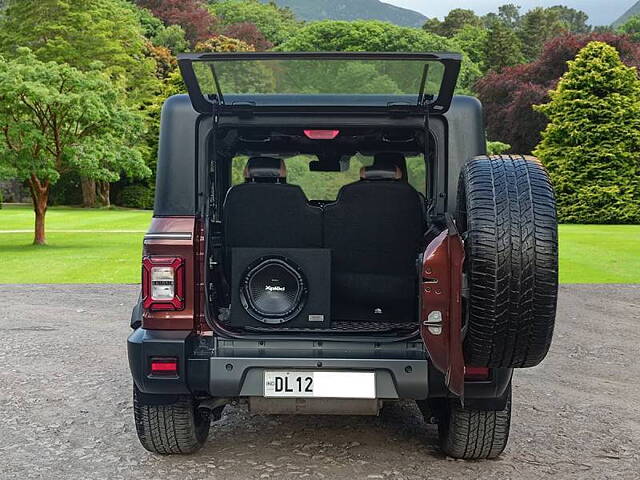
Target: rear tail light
x=322 y=134
x=476 y=374
x=163 y=283
x=164 y=366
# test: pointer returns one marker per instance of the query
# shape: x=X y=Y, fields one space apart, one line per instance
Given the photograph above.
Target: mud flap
x=441 y=306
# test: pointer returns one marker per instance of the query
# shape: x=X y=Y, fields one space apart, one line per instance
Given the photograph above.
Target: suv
x=329 y=235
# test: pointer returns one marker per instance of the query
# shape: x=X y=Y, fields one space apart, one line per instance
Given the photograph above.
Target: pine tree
x=502 y=48
x=591 y=146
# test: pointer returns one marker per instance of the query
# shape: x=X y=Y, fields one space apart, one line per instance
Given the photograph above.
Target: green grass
x=81 y=257
x=600 y=253
x=107 y=248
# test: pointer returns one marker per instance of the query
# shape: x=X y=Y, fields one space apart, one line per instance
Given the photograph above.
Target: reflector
x=322 y=134
x=476 y=373
x=164 y=366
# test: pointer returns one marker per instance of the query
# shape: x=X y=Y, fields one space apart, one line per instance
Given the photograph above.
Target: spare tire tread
x=506 y=210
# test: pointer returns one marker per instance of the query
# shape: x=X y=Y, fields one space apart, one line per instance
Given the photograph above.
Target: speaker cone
x=273 y=290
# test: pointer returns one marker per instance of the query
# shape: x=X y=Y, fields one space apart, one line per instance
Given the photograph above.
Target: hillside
x=353 y=10
x=635 y=10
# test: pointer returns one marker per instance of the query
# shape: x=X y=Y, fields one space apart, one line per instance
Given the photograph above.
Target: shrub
x=592 y=143
x=496 y=148
x=136 y=196
x=509 y=96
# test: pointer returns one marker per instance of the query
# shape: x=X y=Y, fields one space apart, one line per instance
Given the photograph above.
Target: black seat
x=375 y=230
x=266 y=212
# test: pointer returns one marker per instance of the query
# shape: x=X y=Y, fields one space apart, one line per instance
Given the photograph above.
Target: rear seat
x=266 y=212
x=374 y=230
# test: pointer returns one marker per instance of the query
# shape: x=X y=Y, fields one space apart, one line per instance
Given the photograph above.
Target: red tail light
x=322 y=134
x=163 y=283
x=164 y=366
x=476 y=374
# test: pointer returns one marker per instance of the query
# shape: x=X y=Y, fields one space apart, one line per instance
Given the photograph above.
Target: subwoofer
x=280 y=288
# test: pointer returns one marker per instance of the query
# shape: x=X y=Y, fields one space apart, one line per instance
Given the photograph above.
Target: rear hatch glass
x=317 y=79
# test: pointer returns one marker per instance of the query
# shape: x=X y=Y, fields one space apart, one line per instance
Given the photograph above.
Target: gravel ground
x=65 y=406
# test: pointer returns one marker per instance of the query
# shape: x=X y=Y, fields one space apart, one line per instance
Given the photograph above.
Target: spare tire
x=507 y=216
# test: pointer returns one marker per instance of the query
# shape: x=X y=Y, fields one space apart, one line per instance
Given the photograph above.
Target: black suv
x=329 y=236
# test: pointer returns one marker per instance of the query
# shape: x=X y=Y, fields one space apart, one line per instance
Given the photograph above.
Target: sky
x=601 y=12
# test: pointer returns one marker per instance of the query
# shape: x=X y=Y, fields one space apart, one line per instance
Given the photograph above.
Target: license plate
x=319 y=384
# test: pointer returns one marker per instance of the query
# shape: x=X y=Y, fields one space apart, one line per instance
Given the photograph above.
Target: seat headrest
x=265 y=169
x=381 y=170
x=395 y=158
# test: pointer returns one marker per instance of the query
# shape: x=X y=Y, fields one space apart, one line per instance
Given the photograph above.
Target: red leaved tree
x=509 y=95
x=249 y=33
x=191 y=15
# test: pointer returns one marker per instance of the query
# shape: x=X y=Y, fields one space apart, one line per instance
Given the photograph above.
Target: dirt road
x=65 y=409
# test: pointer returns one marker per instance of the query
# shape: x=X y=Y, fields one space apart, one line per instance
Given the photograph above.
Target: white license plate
x=319 y=384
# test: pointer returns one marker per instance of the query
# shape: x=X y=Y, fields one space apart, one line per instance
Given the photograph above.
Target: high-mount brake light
x=322 y=134
x=163 y=283
x=476 y=374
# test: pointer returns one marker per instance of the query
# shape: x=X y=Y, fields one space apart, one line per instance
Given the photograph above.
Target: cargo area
x=320 y=231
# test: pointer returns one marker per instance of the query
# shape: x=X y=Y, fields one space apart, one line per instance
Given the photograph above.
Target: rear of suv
x=329 y=236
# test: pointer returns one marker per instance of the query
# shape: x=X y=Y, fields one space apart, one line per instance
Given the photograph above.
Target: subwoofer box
x=281 y=288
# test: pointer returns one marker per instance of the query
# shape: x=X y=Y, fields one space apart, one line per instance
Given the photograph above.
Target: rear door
x=418 y=82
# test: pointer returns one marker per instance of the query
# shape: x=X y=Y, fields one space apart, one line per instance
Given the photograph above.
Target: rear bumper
x=234 y=368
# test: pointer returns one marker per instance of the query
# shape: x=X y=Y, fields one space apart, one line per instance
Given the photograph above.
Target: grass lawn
x=104 y=246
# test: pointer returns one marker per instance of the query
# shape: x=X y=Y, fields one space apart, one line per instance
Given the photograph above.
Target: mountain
x=635 y=10
x=353 y=10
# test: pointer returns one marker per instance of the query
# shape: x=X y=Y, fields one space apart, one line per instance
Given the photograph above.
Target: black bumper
x=234 y=368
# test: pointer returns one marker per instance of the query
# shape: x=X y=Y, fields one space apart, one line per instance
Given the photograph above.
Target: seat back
x=374 y=230
x=267 y=212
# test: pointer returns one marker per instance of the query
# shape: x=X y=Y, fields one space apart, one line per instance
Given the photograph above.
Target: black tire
x=474 y=434
x=176 y=428
x=507 y=216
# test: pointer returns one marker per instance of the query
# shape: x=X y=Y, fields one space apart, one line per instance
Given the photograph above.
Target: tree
x=221 y=43
x=631 y=27
x=508 y=96
x=80 y=33
x=573 y=20
x=538 y=26
x=55 y=119
x=375 y=36
x=171 y=37
x=191 y=15
x=276 y=24
x=510 y=15
x=248 y=33
x=473 y=41
x=456 y=20
x=502 y=48
x=591 y=145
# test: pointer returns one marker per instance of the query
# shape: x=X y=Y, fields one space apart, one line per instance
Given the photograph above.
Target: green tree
x=574 y=20
x=591 y=146
x=171 y=37
x=456 y=20
x=472 y=41
x=503 y=48
x=538 y=26
x=510 y=15
x=631 y=27
x=375 y=36
x=277 y=24
x=79 y=33
x=55 y=119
